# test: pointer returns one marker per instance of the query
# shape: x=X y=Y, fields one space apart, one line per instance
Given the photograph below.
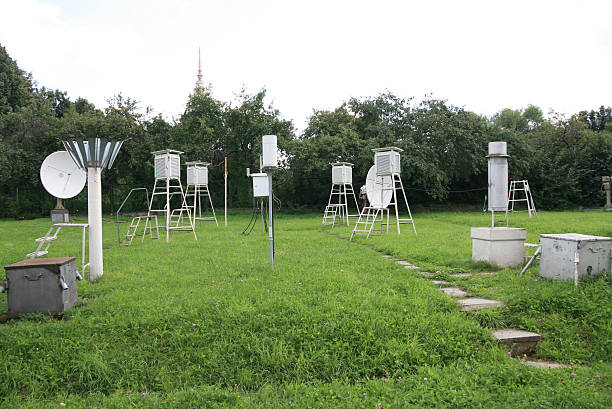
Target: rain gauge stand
x=197 y=187
x=167 y=185
x=500 y=246
x=383 y=182
x=342 y=189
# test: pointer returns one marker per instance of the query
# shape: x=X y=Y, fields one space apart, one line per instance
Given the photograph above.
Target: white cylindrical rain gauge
x=387 y=161
x=342 y=173
x=197 y=173
x=270 y=151
x=261 y=187
x=167 y=164
x=498 y=177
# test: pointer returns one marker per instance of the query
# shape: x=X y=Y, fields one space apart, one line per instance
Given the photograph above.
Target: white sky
x=315 y=54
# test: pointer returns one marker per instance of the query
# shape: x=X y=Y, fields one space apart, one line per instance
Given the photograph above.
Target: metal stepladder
x=521 y=186
x=45 y=242
x=337 y=205
x=174 y=217
x=368 y=217
x=196 y=192
x=135 y=222
x=370 y=214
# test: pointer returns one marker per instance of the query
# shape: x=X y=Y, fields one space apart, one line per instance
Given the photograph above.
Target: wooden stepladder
x=337 y=209
x=520 y=192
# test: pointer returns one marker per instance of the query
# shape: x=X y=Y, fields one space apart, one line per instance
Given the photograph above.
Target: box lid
x=52 y=264
x=574 y=237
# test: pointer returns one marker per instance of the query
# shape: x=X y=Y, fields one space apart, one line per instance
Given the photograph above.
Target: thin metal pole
x=225 y=177
x=270 y=219
x=167 y=210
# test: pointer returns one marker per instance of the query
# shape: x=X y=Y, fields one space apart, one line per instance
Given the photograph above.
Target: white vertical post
x=94 y=216
x=225 y=177
x=167 y=209
x=270 y=219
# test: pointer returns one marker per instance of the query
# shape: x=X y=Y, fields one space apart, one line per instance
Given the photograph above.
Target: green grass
x=210 y=324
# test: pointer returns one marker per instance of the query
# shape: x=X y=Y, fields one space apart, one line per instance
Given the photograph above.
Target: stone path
x=520 y=342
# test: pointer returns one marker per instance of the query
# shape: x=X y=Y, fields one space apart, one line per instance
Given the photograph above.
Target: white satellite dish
x=61 y=177
x=379 y=189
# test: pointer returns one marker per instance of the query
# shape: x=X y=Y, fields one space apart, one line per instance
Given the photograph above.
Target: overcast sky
x=482 y=55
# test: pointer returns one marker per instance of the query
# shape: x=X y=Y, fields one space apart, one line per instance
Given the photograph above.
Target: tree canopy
x=444 y=158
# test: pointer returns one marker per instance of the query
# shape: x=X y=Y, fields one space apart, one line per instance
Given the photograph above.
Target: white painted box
x=261 y=187
x=559 y=252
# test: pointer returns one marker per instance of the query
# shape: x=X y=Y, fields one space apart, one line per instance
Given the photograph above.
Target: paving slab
x=542 y=364
x=387 y=256
x=427 y=273
x=412 y=267
x=455 y=292
x=440 y=282
x=461 y=275
x=519 y=341
x=403 y=263
x=473 y=304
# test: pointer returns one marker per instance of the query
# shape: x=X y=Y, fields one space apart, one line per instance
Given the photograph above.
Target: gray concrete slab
x=455 y=292
x=543 y=364
x=520 y=342
x=403 y=263
x=427 y=273
x=473 y=304
x=412 y=267
x=440 y=282
x=458 y=275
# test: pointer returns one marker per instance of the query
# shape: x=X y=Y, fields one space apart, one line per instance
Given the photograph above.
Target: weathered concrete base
x=455 y=292
x=500 y=246
x=473 y=304
x=412 y=267
x=520 y=342
x=440 y=282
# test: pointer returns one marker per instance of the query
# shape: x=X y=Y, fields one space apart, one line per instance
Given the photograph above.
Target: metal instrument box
x=559 y=254
x=44 y=285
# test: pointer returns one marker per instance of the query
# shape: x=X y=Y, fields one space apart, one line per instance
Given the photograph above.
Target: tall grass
x=211 y=324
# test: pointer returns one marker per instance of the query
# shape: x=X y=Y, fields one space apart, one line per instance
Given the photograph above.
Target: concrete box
x=500 y=246
x=559 y=251
x=44 y=285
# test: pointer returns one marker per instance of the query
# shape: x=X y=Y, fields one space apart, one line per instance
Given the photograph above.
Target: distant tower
x=200 y=86
x=199 y=82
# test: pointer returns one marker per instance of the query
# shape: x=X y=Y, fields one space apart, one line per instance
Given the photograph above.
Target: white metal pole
x=94 y=219
x=225 y=177
x=270 y=219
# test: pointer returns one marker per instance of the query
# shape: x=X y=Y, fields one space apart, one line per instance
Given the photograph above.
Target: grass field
x=209 y=324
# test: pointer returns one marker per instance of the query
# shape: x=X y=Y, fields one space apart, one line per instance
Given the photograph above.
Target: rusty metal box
x=44 y=285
